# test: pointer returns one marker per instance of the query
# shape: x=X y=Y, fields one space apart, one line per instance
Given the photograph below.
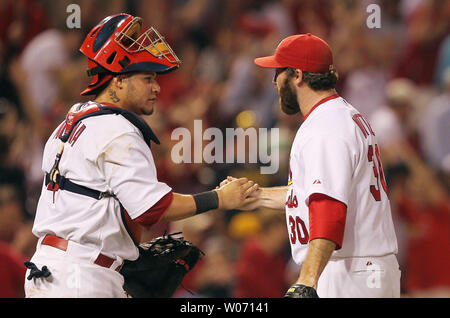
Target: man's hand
x=266 y=197
x=235 y=193
x=251 y=203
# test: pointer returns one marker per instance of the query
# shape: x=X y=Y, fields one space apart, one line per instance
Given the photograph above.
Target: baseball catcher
x=100 y=182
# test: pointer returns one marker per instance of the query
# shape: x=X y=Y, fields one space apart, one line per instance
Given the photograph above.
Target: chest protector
x=54 y=180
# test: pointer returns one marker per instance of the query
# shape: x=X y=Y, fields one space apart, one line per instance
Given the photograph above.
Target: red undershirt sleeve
x=154 y=214
x=327 y=218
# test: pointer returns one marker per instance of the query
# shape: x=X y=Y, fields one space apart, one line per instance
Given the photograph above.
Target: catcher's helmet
x=117 y=45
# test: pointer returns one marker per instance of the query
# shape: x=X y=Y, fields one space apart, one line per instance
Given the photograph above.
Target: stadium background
x=398 y=76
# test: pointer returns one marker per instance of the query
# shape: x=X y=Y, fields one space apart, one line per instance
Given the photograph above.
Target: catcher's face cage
x=150 y=40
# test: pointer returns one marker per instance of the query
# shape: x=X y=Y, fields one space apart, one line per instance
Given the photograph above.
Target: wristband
x=206 y=201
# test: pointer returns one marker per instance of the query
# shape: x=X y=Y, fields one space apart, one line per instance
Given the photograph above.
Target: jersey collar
x=109 y=105
x=326 y=99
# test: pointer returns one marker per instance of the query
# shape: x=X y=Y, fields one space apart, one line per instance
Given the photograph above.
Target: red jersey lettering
x=78 y=131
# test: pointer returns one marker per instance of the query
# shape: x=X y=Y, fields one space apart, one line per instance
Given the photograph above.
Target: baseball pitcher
x=337 y=209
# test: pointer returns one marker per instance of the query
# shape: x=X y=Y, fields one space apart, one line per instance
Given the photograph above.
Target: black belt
x=65 y=184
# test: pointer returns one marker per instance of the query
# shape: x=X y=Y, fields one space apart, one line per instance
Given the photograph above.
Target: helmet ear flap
x=99 y=77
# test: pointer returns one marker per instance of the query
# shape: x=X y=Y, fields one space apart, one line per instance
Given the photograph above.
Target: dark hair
x=318 y=81
x=97 y=91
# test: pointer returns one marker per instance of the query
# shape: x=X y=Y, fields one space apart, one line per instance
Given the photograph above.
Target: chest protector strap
x=54 y=180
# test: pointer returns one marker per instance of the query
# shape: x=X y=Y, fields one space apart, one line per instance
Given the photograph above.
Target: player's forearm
x=318 y=255
x=182 y=206
x=273 y=198
x=227 y=197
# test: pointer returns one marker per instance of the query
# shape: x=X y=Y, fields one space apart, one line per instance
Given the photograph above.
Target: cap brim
x=268 y=62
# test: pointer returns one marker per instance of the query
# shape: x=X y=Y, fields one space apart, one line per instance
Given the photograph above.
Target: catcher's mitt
x=162 y=264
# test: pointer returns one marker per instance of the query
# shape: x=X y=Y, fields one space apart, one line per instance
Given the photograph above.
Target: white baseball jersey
x=105 y=153
x=335 y=153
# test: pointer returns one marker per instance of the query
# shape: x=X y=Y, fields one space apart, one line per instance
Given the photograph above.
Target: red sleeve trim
x=154 y=214
x=327 y=218
x=133 y=228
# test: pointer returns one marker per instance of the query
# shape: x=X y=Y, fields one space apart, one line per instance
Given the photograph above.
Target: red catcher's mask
x=117 y=45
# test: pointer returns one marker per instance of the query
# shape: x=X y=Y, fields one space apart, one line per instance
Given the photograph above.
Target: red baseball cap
x=306 y=52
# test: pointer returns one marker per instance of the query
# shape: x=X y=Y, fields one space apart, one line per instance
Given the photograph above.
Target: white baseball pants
x=360 y=277
x=73 y=276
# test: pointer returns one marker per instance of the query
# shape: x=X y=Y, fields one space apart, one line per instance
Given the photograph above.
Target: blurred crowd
x=397 y=75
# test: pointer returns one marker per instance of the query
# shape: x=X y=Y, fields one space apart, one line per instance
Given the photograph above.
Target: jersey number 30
x=298 y=230
x=378 y=173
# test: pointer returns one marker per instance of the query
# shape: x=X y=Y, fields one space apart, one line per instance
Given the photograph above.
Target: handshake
x=241 y=194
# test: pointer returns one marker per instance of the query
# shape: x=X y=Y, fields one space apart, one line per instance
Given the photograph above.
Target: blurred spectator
x=12 y=269
x=261 y=265
x=435 y=128
x=15 y=224
x=21 y=154
x=427 y=26
x=213 y=275
x=391 y=122
x=362 y=62
x=443 y=64
x=12 y=272
x=427 y=266
x=419 y=199
x=46 y=53
x=364 y=89
x=11 y=214
x=20 y=21
x=249 y=88
x=421 y=202
x=272 y=16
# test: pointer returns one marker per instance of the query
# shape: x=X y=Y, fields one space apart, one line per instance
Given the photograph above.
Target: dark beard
x=288 y=99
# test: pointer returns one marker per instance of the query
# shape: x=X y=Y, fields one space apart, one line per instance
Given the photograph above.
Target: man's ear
x=298 y=77
x=118 y=82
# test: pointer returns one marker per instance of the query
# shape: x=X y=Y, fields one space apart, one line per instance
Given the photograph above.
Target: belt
x=60 y=243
